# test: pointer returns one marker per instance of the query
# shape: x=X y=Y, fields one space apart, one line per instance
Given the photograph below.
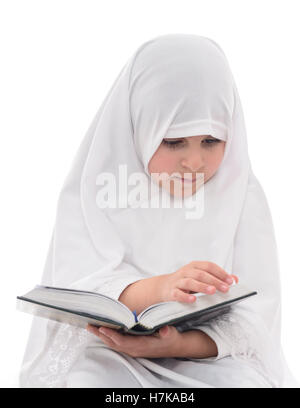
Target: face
x=190 y=155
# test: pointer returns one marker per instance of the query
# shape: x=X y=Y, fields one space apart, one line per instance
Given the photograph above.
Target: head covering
x=174 y=85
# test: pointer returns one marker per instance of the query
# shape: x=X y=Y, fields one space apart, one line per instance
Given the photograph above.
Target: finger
x=95 y=330
x=164 y=331
x=168 y=331
x=206 y=277
x=214 y=269
x=92 y=329
x=112 y=334
x=236 y=278
x=107 y=340
x=195 y=286
x=181 y=296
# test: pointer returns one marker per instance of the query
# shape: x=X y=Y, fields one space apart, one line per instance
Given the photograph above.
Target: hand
x=164 y=343
x=197 y=276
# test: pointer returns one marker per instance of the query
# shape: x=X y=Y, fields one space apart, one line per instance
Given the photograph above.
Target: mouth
x=186 y=180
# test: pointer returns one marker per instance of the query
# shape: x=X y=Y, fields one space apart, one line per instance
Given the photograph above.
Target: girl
x=174 y=110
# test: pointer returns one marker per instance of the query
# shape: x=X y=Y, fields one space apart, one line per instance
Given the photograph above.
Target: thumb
x=164 y=331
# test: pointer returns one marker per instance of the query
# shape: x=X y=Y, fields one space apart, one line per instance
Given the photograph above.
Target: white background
x=59 y=59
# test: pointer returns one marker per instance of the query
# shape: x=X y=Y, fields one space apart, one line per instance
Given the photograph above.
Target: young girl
x=174 y=110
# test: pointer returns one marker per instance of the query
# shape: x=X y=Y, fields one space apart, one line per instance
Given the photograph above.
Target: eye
x=172 y=144
x=210 y=142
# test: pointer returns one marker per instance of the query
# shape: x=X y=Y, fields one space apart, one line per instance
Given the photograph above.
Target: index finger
x=214 y=269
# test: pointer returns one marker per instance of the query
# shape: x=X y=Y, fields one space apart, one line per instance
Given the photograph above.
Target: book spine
x=140 y=329
x=135 y=316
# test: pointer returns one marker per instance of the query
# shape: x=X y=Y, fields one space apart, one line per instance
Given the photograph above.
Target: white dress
x=76 y=359
x=72 y=357
x=175 y=85
x=100 y=366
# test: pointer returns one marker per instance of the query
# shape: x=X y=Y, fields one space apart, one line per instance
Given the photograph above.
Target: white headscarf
x=175 y=85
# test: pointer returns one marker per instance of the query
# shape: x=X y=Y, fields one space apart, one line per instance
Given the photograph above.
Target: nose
x=194 y=161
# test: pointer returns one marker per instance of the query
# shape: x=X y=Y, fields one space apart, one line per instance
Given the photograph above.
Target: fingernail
x=103 y=331
x=224 y=287
x=229 y=280
x=107 y=334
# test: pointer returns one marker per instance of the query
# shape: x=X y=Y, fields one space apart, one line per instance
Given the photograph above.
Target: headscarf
x=174 y=85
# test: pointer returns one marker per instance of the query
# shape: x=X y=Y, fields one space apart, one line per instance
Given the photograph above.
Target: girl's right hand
x=197 y=276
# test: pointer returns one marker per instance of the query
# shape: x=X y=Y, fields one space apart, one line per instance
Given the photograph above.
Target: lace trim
x=244 y=336
x=68 y=344
x=246 y=343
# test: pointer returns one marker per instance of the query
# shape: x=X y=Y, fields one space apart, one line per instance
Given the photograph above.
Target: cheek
x=215 y=158
x=162 y=161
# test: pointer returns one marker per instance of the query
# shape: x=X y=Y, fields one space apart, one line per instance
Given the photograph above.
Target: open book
x=79 y=308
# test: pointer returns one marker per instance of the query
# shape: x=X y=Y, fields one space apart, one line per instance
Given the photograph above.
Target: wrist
x=196 y=344
x=159 y=288
x=180 y=346
x=141 y=294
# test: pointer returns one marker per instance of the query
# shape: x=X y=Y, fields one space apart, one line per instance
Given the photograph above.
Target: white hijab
x=174 y=85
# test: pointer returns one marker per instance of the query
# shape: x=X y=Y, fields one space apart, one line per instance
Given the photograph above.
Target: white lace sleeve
x=238 y=333
x=222 y=346
x=210 y=328
x=114 y=287
x=228 y=336
x=64 y=343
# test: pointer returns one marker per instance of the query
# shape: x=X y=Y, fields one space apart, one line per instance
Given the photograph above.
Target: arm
x=192 y=344
x=141 y=294
x=196 y=344
x=197 y=276
x=167 y=343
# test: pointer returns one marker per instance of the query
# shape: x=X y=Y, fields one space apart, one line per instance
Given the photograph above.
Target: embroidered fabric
x=67 y=343
x=236 y=332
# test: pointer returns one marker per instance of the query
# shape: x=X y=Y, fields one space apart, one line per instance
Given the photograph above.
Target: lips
x=186 y=179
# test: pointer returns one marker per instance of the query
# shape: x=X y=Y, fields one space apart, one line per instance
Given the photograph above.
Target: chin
x=184 y=194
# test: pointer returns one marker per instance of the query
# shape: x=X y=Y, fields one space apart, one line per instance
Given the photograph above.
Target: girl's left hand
x=165 y=343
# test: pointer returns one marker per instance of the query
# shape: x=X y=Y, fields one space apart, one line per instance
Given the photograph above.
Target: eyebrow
x=183 y=138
